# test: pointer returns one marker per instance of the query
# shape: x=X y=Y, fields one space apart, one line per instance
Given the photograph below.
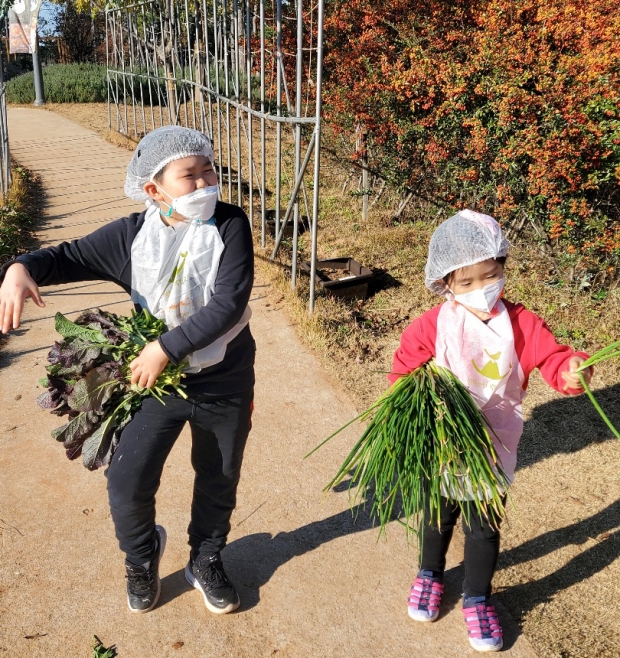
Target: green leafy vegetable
x=89 y=380
x=99 y=651
x=426 y=438
x=68 y=329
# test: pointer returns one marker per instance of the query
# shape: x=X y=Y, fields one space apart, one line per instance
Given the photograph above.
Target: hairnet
x=464 y=239
x=159 y=148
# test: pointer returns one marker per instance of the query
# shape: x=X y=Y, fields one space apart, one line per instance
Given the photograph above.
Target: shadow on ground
x=600 y=530
x=568 y=425
x=254 y=559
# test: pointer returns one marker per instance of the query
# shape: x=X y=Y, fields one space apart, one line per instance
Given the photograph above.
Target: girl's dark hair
x=448 y=278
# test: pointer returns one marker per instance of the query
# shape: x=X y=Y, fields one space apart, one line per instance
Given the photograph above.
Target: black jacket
x=105 y=255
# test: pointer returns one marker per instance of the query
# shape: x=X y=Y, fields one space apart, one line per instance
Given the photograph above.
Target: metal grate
x=5 y=160
x=246 y=72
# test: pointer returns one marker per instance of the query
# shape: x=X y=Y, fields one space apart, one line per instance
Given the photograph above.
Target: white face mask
x=483 y=299
x=198 y=205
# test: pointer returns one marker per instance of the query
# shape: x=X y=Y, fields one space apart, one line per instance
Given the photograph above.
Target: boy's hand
x=17 y=286
x=570 y=376
x=147 y=366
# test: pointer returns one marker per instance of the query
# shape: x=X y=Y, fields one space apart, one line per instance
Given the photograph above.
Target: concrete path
x=312 y=582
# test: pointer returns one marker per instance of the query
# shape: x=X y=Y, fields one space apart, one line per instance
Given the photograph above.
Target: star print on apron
x=483 y=357
x=173 y=272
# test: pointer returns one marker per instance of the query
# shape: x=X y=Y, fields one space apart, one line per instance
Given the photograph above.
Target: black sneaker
x=143 y=584
x=207 y=575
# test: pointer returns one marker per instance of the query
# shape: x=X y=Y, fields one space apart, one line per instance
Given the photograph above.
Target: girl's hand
x=17 y=286
x=570 y=376
x=147 y=366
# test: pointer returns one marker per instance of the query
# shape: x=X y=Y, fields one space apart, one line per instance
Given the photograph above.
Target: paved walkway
x=312 y=583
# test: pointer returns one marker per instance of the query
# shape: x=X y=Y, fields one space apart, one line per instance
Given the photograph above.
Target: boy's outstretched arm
x=103 y=254
x=17 y=286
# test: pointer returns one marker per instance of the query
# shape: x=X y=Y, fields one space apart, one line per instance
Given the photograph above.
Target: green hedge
x=82 y=83
x=64 y=83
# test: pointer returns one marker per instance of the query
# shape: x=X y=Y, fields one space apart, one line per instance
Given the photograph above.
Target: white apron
x=173 y=272
x=483 y=357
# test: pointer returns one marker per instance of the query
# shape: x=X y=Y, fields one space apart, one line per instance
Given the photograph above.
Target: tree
x=79 y=32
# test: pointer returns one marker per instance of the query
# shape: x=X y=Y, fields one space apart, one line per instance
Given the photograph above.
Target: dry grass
x=559 y=565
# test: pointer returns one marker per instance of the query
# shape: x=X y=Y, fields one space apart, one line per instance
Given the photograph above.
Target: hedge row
x=508 y=106
x=64 y=83
x=80 y=83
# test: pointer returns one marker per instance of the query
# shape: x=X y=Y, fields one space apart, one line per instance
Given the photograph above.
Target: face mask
x=483 y=299
x=198 y=205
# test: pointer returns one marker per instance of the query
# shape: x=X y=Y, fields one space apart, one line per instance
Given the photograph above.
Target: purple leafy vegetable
x=88 y=380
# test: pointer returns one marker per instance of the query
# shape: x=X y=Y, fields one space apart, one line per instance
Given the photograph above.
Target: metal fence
x=5 y=160
x=245 y=72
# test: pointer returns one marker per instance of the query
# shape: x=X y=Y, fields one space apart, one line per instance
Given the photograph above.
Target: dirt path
x=312 y=583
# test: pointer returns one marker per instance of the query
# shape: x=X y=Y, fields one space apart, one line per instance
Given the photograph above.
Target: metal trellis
x=222 y=67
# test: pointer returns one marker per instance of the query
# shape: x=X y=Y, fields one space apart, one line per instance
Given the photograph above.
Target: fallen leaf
x=35 y=636
x=178 y=645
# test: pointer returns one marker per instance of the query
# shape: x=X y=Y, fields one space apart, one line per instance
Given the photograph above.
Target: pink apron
x=483 y=357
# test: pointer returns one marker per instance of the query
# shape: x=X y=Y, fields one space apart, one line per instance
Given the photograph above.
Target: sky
x=47 y=14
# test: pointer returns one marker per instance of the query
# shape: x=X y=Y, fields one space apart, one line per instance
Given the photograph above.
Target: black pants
x=220 y=427
x=481 y=546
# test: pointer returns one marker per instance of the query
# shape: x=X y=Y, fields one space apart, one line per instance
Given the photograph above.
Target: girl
x=492 y=346
x=188 y=259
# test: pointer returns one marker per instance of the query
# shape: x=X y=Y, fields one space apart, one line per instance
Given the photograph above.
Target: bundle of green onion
x=426 y=438
x=608 y=352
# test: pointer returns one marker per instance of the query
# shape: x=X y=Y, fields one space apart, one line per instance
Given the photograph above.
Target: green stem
x=597 y=406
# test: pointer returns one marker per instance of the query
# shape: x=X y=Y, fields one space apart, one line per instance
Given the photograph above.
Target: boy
x=189 y=259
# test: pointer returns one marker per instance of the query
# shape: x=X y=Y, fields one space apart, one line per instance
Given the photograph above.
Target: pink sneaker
x=485 y=632
x=425 y=597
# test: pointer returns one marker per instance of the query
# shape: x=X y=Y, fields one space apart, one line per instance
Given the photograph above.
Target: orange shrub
x=507 y=106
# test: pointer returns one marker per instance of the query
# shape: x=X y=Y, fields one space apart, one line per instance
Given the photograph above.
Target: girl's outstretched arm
x=17 y=286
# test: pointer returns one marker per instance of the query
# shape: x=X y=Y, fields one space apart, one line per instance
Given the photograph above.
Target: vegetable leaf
x=96 y=446
x=68 y=329
x=94 y=390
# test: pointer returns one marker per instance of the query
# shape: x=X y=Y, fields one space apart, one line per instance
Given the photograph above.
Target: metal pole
x=364 y=174
x=317 y=155
x=263 y=176
x=248 y=56
x=216 y=59
x=298 y=183
x=278 y=112
x=238 y=99
x=227 y=88
x=300 y=55
x=39 y=91
x=208 y=66
x=107 y=63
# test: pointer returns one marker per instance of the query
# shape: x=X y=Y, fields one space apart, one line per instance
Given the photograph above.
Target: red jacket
x=535 y=345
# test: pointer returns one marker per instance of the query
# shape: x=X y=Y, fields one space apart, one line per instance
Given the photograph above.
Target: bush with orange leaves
x=508 y=106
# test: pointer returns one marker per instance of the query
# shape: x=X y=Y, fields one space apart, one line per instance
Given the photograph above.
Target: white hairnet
x=464 y=239
x=159 y=148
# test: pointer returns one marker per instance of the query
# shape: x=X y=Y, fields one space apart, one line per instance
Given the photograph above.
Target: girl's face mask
x=483 y=299
x=198 y=205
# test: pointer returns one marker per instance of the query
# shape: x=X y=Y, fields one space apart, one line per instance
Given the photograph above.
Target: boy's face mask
x=483 y=299
x=198 y=205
